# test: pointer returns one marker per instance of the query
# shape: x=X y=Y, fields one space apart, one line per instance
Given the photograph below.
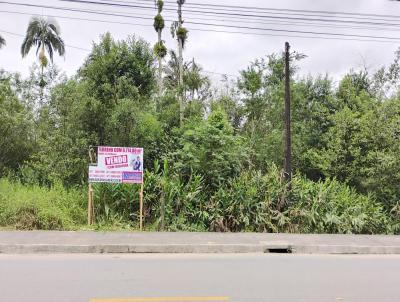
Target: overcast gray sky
x=216 y=52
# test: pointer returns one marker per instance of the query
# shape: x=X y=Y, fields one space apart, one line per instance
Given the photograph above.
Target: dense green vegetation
x=219 y=170
x=34 y=207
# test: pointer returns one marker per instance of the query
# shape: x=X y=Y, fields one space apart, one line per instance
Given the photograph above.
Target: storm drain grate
x=274 y=250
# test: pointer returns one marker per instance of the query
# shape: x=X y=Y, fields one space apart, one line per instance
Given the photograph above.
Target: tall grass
x=33 y=207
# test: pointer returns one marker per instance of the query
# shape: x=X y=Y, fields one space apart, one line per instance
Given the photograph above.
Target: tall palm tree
x=2 y=42
x=159 y=49
x=181 y=33
x=44 y=34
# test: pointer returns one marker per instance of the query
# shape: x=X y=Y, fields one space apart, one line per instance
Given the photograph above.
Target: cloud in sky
x=216 y=52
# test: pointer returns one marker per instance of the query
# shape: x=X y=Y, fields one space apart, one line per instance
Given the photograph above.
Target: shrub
x=256 y=202
x=184 y=201
x=332 y=207
x=116 y=204
x=252 y=201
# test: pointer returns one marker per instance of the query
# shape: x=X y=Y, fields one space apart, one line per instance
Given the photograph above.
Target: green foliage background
x=221 y=169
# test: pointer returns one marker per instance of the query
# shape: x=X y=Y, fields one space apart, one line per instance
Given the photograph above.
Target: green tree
x=262 y=90
x=196 y=85
x=381 y=138
x=16 y=129
x=116 y=70
x=44 y=34
x=385 y=82
x=172 y=71
x=61 y=136
x=345 y=144
x=108 y=102
x=209 y=148
x=119 y=69
x=31 y=90
x=314 y=103
x=127 y=125
x=343 y=155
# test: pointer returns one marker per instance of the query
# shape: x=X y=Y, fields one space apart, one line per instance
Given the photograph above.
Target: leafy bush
x=251 y=202
x=34 y=207
x=260 y=202
x=332 y=207
x=182 y=202
x=116 y=205
x=256 y=202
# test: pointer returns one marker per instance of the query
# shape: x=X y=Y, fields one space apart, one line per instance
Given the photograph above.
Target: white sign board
x=118 y=165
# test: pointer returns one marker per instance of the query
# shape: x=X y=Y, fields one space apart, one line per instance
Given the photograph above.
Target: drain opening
x=279 y=250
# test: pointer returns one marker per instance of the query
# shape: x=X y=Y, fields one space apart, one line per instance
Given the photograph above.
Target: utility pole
x=287 y=120
x=160 y=79
x=180 y=58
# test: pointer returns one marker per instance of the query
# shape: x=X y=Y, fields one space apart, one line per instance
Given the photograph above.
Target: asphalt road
x=241 y=278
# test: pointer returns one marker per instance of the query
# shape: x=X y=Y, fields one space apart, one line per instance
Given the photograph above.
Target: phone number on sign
x=111 y=180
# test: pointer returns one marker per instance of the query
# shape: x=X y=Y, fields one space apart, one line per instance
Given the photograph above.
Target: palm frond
x=54 y=26
x=38 y=45
x=54 y=43
x=26 y=45
x=43 y=33
x=2 y=42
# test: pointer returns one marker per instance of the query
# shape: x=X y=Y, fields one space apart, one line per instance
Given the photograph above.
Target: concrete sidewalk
x=127 y=242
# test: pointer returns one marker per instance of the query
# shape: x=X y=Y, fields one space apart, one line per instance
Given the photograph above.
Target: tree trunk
x=41 y=56
x=160 y=79
x=180 y=59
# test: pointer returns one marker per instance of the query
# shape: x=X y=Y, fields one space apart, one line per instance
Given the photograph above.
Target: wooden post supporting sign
x=90 y=205
x=141 y=207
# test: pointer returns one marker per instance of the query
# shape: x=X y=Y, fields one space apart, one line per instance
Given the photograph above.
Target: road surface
x=241 y=278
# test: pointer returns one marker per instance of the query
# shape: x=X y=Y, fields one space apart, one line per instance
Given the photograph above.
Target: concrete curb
x=52 y=242
x=195 y=249
x=346 y=250
x=132 y=249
